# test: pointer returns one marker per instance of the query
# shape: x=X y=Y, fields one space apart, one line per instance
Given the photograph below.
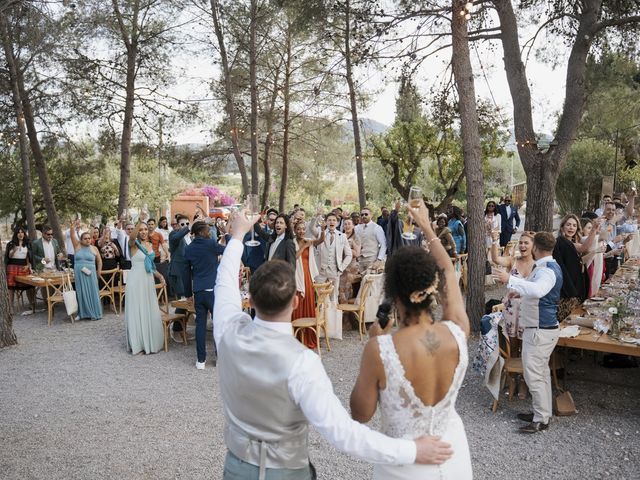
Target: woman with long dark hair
x=17 y=261
x=280 y=244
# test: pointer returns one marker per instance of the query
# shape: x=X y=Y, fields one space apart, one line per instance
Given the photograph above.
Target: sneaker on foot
x=200 y=365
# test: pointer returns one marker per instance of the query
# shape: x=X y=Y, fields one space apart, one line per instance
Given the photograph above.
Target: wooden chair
x=120 y=289
x=322 y=291
x=54 y=296
x=163 y=297
x=167 y=320
x=358 y=307
x=107 y=289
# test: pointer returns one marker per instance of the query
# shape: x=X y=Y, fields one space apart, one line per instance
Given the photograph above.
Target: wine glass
x=415 y=195
x=253 y=213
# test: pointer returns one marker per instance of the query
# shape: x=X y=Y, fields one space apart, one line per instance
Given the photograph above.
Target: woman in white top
x=492 y=222
x=416 y=373
x=17 y=261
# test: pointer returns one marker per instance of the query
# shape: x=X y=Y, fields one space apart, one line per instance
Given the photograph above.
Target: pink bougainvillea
x=217 y=197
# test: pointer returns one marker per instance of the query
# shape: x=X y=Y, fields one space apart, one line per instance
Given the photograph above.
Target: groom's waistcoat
x=261 y=419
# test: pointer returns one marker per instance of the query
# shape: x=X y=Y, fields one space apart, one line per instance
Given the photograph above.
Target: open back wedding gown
x=404 y=415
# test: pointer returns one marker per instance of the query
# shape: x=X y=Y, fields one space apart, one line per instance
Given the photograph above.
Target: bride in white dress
x=416 y=373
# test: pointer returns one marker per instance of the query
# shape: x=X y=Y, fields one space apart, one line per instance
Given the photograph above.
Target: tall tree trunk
x=228 y=90
x=543 y=168
x=38 y=158
x=127 y=127
x=269 y=138
x=463 y=74
x=362 y=199
x=22 y=132
x=255 y=178
x=286 y=122
x=7 y=335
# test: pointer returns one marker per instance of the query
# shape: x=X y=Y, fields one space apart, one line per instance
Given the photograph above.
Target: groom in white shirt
x=273 y=387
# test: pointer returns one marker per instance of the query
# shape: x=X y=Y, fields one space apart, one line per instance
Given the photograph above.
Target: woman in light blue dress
x=141 y=310
x=86 y=269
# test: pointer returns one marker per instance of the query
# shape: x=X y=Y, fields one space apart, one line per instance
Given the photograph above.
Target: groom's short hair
x=272 y=287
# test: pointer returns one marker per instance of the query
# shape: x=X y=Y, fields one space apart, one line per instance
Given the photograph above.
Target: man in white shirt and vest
x=273 y=387
x=334 y=254
x=373 y=240
x=540 y=294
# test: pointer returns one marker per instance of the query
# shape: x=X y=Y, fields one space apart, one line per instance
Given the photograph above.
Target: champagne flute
x=253 y=206
x=415 y=195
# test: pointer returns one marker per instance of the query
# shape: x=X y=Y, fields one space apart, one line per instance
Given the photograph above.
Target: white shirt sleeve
x=382 y=240
x=311 y=390
x=541 y=284
x=228 y=304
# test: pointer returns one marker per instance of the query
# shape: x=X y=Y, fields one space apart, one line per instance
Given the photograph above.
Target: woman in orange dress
x=306 y=271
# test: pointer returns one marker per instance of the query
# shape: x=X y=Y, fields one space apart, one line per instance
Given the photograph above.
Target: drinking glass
x=415 y=195
x=253 y=213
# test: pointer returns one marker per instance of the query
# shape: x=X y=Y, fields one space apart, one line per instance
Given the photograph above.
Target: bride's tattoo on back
x=430 y=342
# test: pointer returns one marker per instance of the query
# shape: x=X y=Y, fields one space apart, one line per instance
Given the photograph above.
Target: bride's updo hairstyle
x=412 y=277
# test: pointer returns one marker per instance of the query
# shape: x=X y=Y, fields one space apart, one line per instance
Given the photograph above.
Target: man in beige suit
x=334 y=254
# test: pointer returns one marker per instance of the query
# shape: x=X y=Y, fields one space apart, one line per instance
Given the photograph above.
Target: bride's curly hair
x=410 y=270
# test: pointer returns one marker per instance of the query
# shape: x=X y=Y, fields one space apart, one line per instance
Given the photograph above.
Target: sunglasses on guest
x=184 y=224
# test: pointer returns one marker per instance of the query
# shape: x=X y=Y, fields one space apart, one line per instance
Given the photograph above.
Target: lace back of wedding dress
x=403 y=413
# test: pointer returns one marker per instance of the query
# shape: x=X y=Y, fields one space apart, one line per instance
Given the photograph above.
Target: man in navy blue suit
x=201 y=269
x=509 y=215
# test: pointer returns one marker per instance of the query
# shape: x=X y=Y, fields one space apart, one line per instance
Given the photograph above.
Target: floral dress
x=511 y=312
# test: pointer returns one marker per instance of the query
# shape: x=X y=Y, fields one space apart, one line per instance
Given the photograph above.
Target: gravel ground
x=75 y=405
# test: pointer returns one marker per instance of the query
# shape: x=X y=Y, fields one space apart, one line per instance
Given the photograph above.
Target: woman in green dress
x=141 y=311
x=86 y=269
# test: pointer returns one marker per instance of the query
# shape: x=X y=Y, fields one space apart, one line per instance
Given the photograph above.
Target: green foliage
x=580 y=180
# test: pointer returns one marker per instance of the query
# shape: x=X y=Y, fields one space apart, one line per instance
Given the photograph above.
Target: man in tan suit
x=334 y=254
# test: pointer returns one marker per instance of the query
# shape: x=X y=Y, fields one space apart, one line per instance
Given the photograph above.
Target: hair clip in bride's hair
x=419 y=296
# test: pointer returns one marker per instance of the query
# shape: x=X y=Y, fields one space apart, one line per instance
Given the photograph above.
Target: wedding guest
x=272 y=387
x=444 y=234
x=396 y=227
x=334 y=254
x=492 y=221
x=567 y=253
x=68 y=243
x=109 y=251
x=416 y=373
x=201 y=268
x=87 y=266
x=178 y=240
x=540 y=295
x=351 y=275
x=383 y=219
x=306 y=271
x=280 y=245
x=457 y=229
x=46 y=251
x=518 y=267
x=510 y=220
x=17 y=261
x=141 y=312
x=95 y=236
x=163 y=228
x=374 y=243
x=593 y=259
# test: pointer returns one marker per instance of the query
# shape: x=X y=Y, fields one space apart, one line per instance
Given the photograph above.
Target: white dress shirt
x=274 y=245
x=380 y=236
x=538 y=283
x=308 y=383
x=49 y=252
x=68 y=244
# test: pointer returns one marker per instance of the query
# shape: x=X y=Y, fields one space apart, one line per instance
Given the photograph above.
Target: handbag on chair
x=69 y=297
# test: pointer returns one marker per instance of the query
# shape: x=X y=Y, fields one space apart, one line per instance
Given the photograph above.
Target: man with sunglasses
x=374 y=242
x=509 y=215
x=46 y=251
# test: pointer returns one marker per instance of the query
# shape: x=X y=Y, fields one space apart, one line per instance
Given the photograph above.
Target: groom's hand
x=431 y=450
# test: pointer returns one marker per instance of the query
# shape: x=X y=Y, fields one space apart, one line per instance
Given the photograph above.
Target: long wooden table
x=50 y=283
x=589 y=339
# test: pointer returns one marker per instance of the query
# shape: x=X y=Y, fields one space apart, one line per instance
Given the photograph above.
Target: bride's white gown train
x=405 y=416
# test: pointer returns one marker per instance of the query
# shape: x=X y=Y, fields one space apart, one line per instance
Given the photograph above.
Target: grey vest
x=263 y=425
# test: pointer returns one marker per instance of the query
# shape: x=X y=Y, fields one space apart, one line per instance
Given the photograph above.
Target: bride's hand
x=430 y=450
x=376 y=329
